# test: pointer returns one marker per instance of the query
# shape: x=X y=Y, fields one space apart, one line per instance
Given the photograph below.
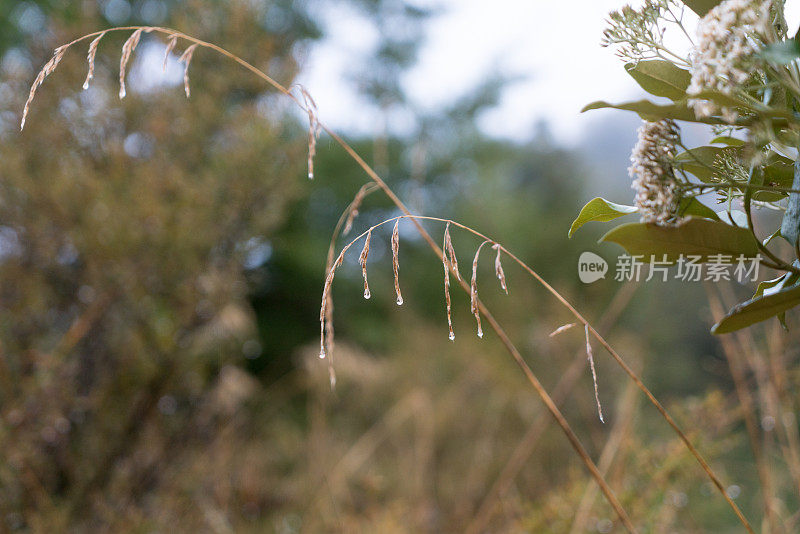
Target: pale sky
x=554 y=44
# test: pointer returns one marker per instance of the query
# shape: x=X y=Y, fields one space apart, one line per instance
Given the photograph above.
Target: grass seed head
x=354 y=207
x=451 y=252
x=590 y=357
x=362 y=260
x=560 y=329
x=48 y=68
x=396 y=261
x=498 y=268
x=90 y=58
x=173 y=40
x=127 y=51
x=314 y=128
x=473 y=290
x=446 y=265
x=186 y=58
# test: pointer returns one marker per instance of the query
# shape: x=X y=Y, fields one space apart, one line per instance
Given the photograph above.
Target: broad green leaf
x=767 y=284
x=777 y=173
x=769 y=238
x=700 y=161
x=768 y=287
x=697 y=237
x=701 y=7
x=758 y=309
x=599 y=209
x=782 y=52
x=727 y=140
x=650 y=111
x=692 y=206
x=707 y=155
x=660 y=78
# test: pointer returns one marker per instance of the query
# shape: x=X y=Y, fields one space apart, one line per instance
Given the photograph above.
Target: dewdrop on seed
x=396 y=262
x=452 y=336
x=362 y=260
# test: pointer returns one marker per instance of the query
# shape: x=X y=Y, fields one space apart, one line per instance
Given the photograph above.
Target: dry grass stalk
x=362 y=260
x=451 y=252
x=562 y=328
x=314 y=128
x=48 y=68
x=473 y=292
x=329 y=337
x=90 y=58
x=446 y=265
x=396 y=261
x=127 y=51
x=326 y=312
x=354 y=207
x=498 y=268
x=173 y=40
x=186 y=58
x=590 y=357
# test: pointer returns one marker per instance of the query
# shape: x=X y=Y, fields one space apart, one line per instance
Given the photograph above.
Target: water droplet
x=86 y=85
x=480 y=333
x=399 y=301
x=122 y=93
x=322 y=355
x=310 y=175
x=452 y=336
x=367 y=294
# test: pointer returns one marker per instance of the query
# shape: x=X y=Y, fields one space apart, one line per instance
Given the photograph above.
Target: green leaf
x=680 y=111
x=727 y=140
x=778 y=173
x=782 y=52
x=772 y=286
x=701 y=7
x=660 y=78
x=650 y=111
x=692 y=206
x=696 y=237
x=599 y=209
x=758 y=309
x=769 y=238
x=700 y=161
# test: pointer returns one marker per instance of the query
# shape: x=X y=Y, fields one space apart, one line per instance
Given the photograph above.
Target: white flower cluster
x=651 y=170
x=727 y=38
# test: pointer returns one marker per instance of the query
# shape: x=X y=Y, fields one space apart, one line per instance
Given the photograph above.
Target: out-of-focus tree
x=125 y=232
